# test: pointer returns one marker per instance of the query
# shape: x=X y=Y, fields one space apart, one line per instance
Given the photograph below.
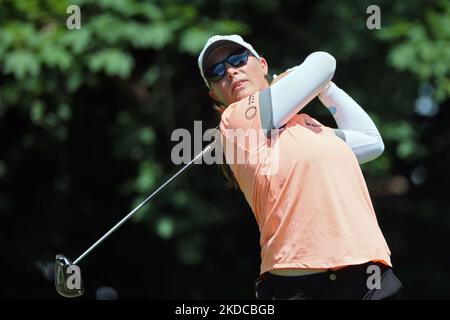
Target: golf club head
x=68 y=281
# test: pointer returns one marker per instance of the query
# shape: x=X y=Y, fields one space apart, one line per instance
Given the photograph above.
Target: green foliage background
x=86 y=118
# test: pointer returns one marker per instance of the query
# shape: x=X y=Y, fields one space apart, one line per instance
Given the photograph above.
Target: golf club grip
x=207 y=149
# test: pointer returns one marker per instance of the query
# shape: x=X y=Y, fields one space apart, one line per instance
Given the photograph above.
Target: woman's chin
x=244 y=93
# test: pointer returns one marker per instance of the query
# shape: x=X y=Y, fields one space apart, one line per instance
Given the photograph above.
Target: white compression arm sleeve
x=285 y=98
x=356 y=128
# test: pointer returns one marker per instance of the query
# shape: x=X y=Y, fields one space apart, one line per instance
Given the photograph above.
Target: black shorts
x=369 y=281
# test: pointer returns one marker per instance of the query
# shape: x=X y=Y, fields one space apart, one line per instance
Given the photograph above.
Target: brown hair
x=224 y=167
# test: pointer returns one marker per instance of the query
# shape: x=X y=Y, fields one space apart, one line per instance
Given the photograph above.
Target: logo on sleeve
x=250 y=112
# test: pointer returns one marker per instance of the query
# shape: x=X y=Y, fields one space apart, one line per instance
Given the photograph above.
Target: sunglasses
x=236 y=59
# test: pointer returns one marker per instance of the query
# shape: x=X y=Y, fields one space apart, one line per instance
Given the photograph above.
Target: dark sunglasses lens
x=215 y=73
x=238 y=60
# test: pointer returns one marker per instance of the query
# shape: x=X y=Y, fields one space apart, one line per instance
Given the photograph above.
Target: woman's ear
x=212 y=94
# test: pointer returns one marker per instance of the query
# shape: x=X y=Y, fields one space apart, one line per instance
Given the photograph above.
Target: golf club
x=68 y=281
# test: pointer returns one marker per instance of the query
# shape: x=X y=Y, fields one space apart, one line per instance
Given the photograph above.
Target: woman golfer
x=319 y=234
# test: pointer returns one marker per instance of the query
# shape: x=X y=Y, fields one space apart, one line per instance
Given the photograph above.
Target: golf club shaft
x=207 y=149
